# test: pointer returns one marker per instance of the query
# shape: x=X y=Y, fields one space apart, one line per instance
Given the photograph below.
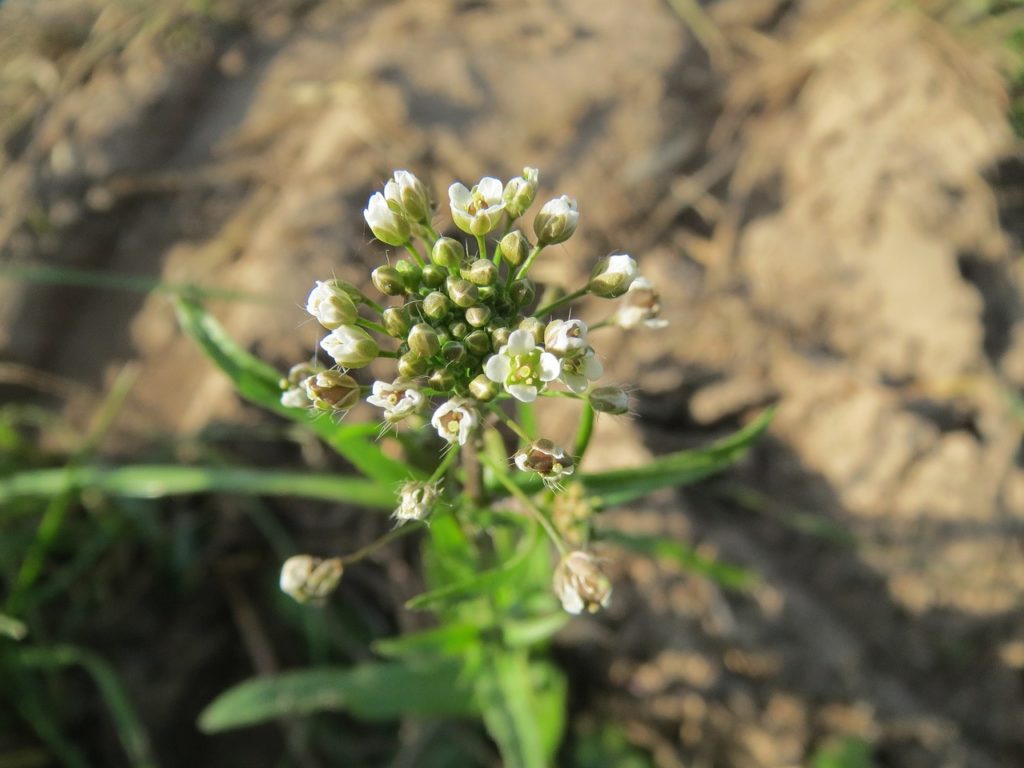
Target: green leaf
x=510 y=711
x=373 y=691
x=156 y=481
x=12 y=628
x=683 y=555
x=850 y=752
x=527 y=632
x=446 y=640
x=259 y=383
x=681 y=468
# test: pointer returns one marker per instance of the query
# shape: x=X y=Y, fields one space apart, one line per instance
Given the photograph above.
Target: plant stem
x=569 y=297
x=387 y=538
x=603 y=324
x=527 y=418
x=446 y=462
x=432 y=232
x=511 y=424
x=502 y=477
x=529 y=261
x=474 y=471
x=481 y=244
x=415 y=253
x=372 y=325
x=583 y=434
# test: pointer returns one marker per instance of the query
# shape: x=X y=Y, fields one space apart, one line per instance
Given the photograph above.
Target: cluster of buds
x=461 y=321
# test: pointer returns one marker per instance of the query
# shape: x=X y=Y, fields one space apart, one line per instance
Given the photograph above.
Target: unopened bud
x=416 y=500
x=520 y=192
x=514 y=247
x=396 y=321
x=612 y=400
x=535 y=326
x=306 y=579
x=331 y=305
x=522 y=292
x=388 y=281
x=387 y=225
x=556 y=221
x=612 y=276
x=410 y=274
x=410 y=195
x=459 y=329
x=433 y=276
x=448 y=253
x=483 y=389
x=478 y=342
x=481 y=272
x=350 y=346
x=462 y=292
x=411 y=365
x=499 y=336
x=293 y=386
x=441 y=380
x=453 y=352
x=580 y=585
x=436 y=305
x=423 y=340
x=332 y=391
x=479 y=316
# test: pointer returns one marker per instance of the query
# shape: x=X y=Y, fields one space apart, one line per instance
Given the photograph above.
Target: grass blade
x=683 y=555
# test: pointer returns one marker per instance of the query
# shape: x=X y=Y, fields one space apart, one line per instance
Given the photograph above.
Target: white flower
x=409 y=195
x=579 y=371
x=479 y=210
x=565 y=337
x=350 y=346
x=416 y=500
x=454 y=421
x=522 y=367
x=580 y=584
x=545 y=458
x=556 y=221
x=294 y=397
x=640 y=306
x=306 y=578
x=612 y=276
x=331 y=305
x=387 y=226
x=398 y=399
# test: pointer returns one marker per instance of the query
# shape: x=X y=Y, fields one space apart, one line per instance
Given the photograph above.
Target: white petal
x=497 y=368
x=520 y=460
x=575 y=382
x=522 y=392
x=520 y=342
x=592 y=368
x=655 y=323
x=491 y=189
x=571 y=601
x=458 y=195
x=379 y=402
x=550 y=367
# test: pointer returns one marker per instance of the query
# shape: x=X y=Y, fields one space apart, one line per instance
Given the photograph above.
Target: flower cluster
x=462 y=322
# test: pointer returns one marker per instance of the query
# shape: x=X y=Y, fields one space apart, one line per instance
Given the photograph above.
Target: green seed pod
x=454 y=352
x=396 y=321
x=481 y=272
x=478 y=317
x=433 y=276
x=483 y=389
x=436 y=305
x=514 y=247
x=332 y=391
x=522 y=292
x=388 y=281
x=499 y=337
x=609 y=400
x=459 y=329
x=442 y=380
x=411 y=274
x=423 y=340
x=448 y=253
x=535 y=327
x=478 y=342
x=411 y=365
x=462 y=292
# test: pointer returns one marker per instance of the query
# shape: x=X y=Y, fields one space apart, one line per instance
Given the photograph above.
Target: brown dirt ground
x=819 y=201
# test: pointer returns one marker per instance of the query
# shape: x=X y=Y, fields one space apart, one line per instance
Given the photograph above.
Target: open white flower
x=478 y=210
x=331 y=305
x=548 y=460
x=454 y=421
x=398 y=399
x=580 y=370
x=387 y=226
x=640 y=306
x=522 y=367
x=565 y=337
x=580 y=584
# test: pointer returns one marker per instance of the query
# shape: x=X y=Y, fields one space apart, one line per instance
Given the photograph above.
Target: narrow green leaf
x=523 y=633
x=683 y=555
x=509 y=711
x=681 y=468
x=374 y=691
x=259 y=383
x=446 y=640
x=850 y=752
x=156 y=481
x=12 y=628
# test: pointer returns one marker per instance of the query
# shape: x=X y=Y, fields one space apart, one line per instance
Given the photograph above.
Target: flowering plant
x=462 y=349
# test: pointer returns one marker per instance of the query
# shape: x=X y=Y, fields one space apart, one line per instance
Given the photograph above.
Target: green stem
x=387 y=538
x=446 y=462
x=415 y=253
x=432 y=232
x=511 y=424
x=388 y=353
x=527 y=418
x=481 y=244
x=569 y=297
x=362 y=321
x=502 y=477
x=585 y=431
x=372 y=304
x=529 y=261
x=603 y=324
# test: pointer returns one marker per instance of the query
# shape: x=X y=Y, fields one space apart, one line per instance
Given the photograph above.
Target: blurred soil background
x=828 y=195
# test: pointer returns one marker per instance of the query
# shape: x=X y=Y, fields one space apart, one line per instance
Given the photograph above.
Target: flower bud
x=332 y=391
x=478 y=342
x=331 y=305
x=514 y=248
x=388 y=281
x=442 y=380
x=612 y=276
x=481 y=272
x=499 y=336
x=459 y=329
x=462 y=292
x=565 y=338
x=293 y=386
x=612 y=400
x=448 y=253
x=306 y=579
x=479 y=210
x=387 y=225
x=454 y=352
x=409 y=195
x=536 y=328
x=483 y=389
x=546 y=459
x=580 y=585
x=416 y=500
x=411 y=365
x=423 y=340
x=641 y=305
x=522 y=292
x=520 y=192
x=396 y=321
x=479 y=316
x=350 y=346
x=436 y=305
x=433 y=276
x=556 y=221
x=410 y=274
